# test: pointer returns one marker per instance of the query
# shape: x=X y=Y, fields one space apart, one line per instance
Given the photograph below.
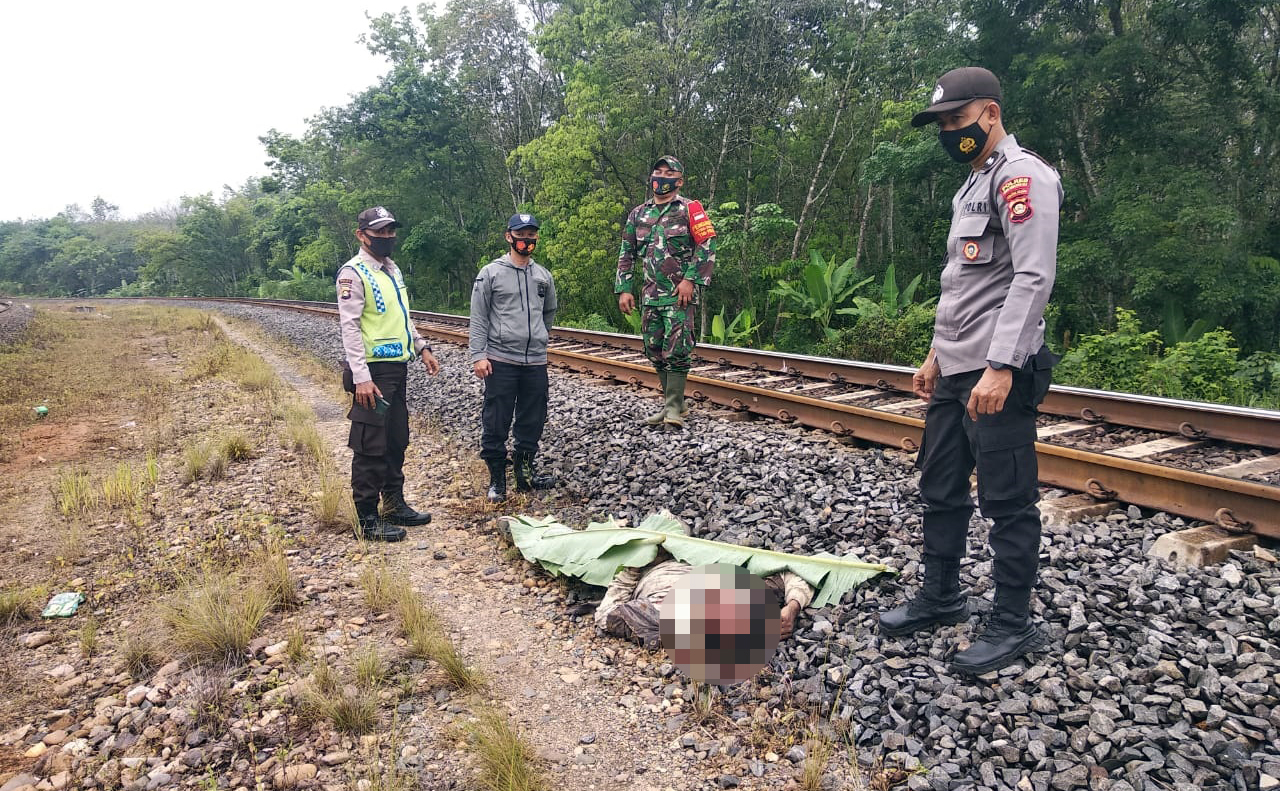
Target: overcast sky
x=142 y=101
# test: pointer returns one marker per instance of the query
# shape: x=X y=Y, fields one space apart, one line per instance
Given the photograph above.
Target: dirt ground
x=77 y=710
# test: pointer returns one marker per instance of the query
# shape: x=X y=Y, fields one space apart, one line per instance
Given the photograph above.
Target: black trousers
x=518 y=391
x=1002 y=447
x=378 y=442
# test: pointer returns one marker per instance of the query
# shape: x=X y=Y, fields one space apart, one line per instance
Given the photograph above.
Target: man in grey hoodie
x=513 y=304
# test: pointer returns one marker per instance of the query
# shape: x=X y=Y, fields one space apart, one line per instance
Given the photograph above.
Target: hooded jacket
x=512 y=311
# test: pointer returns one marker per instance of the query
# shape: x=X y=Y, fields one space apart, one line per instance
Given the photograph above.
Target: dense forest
x=1163 y=117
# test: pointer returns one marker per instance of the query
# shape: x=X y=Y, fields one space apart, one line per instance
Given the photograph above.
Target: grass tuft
x=817 y=756
x=141 y=652
x=334 y=510
x=216 y=620
x=17 y=604
x=236 y=447
x=89 y=638
x=369 y=667
x=296 y=646
x=76 y=494
x=349 y=708
x=250 y=371
x=122 y=489
x=381 y=588
x=276 y=578
x=505 y=762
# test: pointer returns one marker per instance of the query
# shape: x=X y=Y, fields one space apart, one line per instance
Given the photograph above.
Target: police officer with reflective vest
x=987 y=371
x=378 y=340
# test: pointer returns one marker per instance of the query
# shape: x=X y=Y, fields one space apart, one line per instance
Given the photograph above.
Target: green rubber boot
x=676 y=410
x=657 y=417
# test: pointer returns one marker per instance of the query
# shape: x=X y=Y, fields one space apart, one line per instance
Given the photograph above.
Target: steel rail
x=1235 y=504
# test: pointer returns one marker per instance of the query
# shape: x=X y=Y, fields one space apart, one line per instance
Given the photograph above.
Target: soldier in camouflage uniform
x=675 y=243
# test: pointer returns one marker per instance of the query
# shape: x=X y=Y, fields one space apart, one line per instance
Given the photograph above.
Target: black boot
x=527 y=477
x=497 y=480
x=939 y=601
x=1008 y=635
x=396 y=511
x=372 y=527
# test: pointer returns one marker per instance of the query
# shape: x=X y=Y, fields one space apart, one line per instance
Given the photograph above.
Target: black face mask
x=524 y=246
x=964 y=145
x=663 y=185
x=380 y=246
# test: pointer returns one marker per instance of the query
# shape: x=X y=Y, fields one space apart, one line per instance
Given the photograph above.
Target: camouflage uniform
x=658 y=234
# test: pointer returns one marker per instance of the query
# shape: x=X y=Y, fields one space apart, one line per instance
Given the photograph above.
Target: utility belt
x=348 y=378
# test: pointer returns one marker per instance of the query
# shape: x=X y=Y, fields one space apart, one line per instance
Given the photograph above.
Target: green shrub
x=880 y=338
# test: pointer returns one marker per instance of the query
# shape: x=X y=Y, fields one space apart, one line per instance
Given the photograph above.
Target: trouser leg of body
x=945 y=462
x=530 y=419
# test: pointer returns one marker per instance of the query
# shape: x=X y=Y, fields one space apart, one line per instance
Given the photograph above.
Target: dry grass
x=505 y=761
x=250 y=371
x=370 y=670
x=89 y=637
x=275 y=577
x=817 y=756
x=203 y=460
x=382 y=772
x=141 y=651
x=380 y=586
x=215 y=620
x=18 y=604
x=334 y=511
x=296 y=645
x=209 y=698
x=350 y=708
x=122 y=489
x=235 y=446
x=76 y=494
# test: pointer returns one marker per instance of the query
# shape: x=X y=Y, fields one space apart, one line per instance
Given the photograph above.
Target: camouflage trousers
x=668 y=337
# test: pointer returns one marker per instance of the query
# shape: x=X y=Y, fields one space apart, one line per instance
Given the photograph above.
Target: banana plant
x=595 y=555
x=738 y=332
x=892 y=300
x=824 y=286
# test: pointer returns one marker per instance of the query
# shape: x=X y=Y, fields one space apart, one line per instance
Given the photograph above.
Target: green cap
x=670 y=161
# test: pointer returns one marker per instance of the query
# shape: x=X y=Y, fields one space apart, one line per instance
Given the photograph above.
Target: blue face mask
x=663 y=185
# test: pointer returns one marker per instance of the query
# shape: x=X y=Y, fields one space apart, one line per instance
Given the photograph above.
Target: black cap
x=957 y=88
x=519 y=221
x=375 y=218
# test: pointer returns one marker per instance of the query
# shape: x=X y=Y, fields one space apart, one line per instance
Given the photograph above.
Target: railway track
x=1219 y=464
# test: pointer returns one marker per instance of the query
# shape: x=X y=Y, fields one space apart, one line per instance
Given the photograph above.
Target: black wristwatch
x=995 y=366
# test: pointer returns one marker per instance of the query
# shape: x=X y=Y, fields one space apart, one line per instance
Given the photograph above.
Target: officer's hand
x=990 y=392
x=925 y=379
x=482 y=368
x=684 y=293
x=430 y=361
x=365 y=394
x=626 y=302
x=788 y=619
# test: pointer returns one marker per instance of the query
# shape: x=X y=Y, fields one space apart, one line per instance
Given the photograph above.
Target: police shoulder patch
x=1016 y=193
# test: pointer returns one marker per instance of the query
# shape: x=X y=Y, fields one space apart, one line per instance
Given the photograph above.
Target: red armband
x=700 y=226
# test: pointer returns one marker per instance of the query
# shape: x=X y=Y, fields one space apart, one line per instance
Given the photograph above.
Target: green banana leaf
x=595 y=555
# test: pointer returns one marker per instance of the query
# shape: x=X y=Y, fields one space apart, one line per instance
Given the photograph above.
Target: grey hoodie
x=512 y=309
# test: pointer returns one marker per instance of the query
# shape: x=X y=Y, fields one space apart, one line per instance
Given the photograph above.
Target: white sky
x=142 y=101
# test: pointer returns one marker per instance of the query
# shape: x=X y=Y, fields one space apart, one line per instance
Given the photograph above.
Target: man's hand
x=684 y=292
x=989 y=393
x=366 y=392
x=924 y=380
x=430 y=361
x=788 y=620
x=482 y=368
x=626 y=302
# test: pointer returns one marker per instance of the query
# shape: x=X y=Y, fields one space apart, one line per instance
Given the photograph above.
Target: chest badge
x=971 y=251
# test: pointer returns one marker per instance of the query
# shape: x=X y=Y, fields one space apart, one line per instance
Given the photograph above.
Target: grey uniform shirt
x=1002 y=254
x=351 y=305
x=512 y=310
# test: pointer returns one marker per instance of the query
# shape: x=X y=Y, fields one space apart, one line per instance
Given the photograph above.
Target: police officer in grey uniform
x=987 y=371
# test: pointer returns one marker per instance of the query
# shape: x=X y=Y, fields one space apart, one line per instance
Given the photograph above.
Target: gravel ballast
x=1155 y=678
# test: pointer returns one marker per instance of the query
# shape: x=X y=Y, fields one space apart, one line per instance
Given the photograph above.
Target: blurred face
x=378 y=241
x=959 y=118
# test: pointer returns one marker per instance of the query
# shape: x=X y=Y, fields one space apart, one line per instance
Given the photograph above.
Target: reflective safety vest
x=384 y=323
